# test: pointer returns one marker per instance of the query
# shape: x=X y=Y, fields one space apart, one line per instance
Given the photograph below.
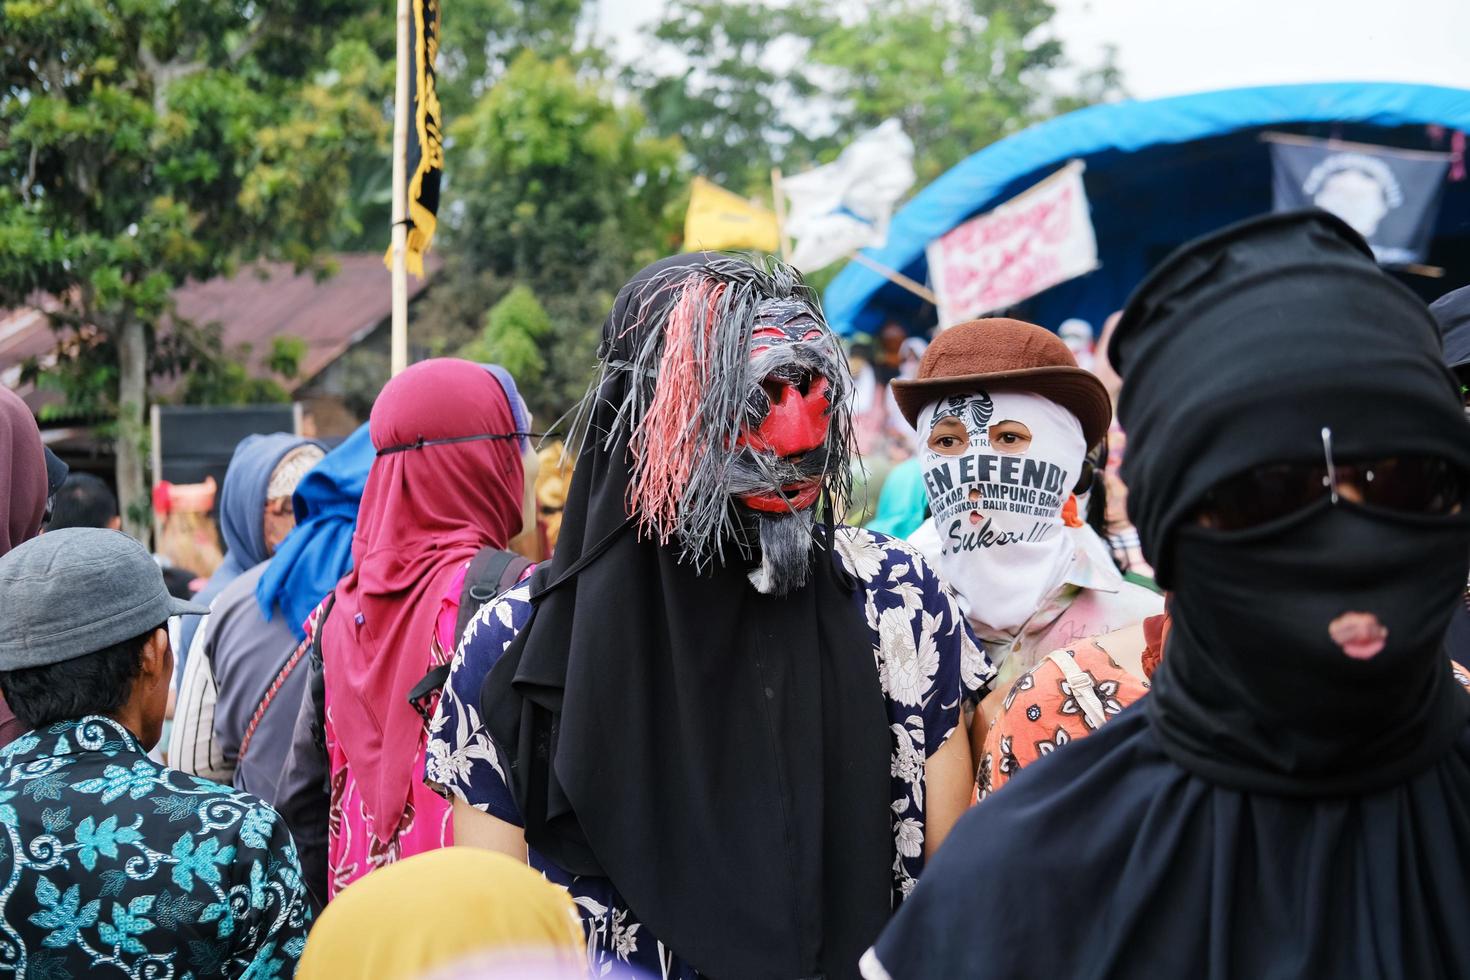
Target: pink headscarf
x=424 y=512
x=22 y=473
x=22 y=499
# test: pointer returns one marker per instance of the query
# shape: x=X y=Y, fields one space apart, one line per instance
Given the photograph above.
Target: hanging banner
x=1391 y=197
x=846 y=205
x=718 y=219
x=1041 y=237
x=425 y=149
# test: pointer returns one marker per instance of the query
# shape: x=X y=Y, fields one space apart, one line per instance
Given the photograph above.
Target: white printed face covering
x=998 y=469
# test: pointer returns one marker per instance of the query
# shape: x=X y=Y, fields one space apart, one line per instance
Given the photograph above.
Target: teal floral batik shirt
x=114 y=866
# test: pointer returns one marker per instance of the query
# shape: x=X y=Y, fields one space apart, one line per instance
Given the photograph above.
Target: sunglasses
x=1406 y=484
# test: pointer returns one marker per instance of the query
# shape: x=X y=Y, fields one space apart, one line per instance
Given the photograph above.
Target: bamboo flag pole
x=399 y=346
x=780 y=199
x=892 y=275
x=897 y=278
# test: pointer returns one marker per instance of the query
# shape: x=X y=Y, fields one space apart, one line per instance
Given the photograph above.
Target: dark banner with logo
x=1390 y=196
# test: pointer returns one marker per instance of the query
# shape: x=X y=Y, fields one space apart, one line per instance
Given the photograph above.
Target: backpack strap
x=1080 y=683
x=316 y=681
x=297 y=655
x=428 y=685
x=491 y=572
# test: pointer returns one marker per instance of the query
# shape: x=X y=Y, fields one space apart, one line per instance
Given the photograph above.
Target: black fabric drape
x=1237 y=352
x=1274 y=807
x=721 y=756
x=1109 y=860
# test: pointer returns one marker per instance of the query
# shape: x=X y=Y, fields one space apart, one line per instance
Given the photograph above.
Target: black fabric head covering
x=1288 y=313
x=1273 y=807
x=721 y=755
x=1452 y=310
x=1237 y=352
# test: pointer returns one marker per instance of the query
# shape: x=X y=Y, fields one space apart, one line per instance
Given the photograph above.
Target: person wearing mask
x=1290 y=799
x=492 y=917
x=446 y=486
x=1077 y=335
x=1005 y=418
x=1452 y=311
x=113 y=864
x=728 y=725
x=84 y=501
x=553 y=477
x=241 y=653
x=24 y=495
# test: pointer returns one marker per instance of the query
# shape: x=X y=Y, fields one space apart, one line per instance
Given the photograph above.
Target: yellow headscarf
x=443 y=908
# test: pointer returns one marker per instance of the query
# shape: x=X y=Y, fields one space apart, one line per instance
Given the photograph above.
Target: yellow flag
x=719 y=219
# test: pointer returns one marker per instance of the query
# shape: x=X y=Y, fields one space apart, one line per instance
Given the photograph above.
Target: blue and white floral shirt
x=928 y=662
x=112 y=865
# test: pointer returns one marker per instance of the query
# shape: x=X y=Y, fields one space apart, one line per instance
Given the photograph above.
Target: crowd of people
x=705 y=727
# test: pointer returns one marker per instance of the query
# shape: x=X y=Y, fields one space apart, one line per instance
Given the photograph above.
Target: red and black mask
x=788 y=411
x=738 y=414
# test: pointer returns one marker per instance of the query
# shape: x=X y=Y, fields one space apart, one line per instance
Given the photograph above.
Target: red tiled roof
x=260 y=302
x=24 y=333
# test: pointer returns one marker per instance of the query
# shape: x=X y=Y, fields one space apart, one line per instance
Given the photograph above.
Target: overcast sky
x=1168 y=47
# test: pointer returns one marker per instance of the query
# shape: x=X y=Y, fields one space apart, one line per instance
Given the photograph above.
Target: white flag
x=1040 y=237
x=847 y=204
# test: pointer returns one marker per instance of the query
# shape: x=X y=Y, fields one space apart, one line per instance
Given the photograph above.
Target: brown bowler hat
x=1000 y=354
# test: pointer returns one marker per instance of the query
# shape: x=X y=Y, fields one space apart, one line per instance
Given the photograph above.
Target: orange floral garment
x=1067 y=696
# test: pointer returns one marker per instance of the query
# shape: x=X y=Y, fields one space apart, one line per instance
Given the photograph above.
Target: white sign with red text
x=1037 y=239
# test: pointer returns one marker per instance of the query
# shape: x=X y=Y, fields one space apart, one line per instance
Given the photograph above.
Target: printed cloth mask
x=997 y=501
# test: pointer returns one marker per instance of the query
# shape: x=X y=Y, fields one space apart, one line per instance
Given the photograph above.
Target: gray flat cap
x=76 y=591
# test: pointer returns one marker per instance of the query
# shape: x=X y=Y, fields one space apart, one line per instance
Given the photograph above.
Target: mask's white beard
x=1008 y=550
x=786 y=547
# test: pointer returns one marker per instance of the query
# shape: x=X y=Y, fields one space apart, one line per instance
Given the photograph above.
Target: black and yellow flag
x=425 y=147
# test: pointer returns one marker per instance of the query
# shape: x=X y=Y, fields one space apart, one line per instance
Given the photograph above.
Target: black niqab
x=720 y=755
x=1273 y=807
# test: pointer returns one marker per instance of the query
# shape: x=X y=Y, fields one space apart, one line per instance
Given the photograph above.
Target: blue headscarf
x=318 y=551
x=518 y=410
x=241 y=512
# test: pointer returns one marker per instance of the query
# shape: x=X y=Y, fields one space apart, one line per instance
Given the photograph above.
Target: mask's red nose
x=797 y=421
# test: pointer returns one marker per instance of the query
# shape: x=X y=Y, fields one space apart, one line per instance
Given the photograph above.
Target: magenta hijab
x=22 y=473
x=425 y=511
x=22 y=498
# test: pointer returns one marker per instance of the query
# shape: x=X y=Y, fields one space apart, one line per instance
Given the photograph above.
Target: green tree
x=757 y=84
x=147 y=142
x=513 y=328
x=478 y=40
x=958 y=76
x=736 y=94
x=553 y=185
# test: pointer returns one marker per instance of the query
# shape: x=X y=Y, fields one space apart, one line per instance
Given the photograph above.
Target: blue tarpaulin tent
x=1159 y=173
